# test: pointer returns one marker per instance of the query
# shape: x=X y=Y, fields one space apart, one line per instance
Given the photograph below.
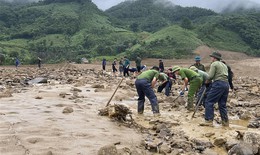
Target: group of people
x=124 y=66
x=215 y=83
x=18 y=63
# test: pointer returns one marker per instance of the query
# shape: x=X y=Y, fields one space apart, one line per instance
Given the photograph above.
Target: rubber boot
x=140 y=107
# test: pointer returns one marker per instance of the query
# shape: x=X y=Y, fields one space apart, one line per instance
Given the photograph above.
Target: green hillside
x=67 y=30
x=59 y=30
x=169 y=42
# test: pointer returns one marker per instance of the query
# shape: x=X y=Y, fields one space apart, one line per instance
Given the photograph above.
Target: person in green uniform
x=188 y=76
x=138 y=64
x=144 y=84
x=198 y=64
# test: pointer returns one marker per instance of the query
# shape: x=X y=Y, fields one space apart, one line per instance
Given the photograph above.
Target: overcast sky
x=216 y=5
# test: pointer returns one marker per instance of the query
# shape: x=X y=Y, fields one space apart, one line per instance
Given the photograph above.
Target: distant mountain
x=152 y=15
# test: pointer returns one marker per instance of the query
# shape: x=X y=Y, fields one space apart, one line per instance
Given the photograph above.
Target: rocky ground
x=55 y=110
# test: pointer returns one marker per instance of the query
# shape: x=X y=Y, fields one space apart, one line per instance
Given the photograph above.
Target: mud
x=61 y=116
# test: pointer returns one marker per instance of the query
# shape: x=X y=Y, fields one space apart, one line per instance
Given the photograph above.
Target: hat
x=194 y=68
x=175 y=68
x=197 y=58
x=216 y=55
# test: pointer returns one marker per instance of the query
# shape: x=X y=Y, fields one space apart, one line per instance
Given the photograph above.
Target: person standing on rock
x=114 y=67
x=39 y=62
x=161 y=66
x=17 y=62
x=166 y=83
x=218 y=73
x=188 y=76
x=121 y=66
x=198 y=64
x=126 y=66
x=144 y=84
x=138 y=64
x=104 y=63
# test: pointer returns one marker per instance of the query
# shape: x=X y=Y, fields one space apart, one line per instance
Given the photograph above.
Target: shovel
x=114 y=92
x=199 y=102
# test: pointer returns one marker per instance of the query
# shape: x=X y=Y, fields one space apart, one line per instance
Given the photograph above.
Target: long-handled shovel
x=175 y=100
x=114 y=92
x=199 y=102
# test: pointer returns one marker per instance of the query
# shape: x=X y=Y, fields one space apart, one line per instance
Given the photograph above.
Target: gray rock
x=38 y=80
x=252 y=137
x=230 y=143
x=164 y=149
x=209 y=152
x=241 y=149
x=220 y=141
x=67 y=110
x=254 y=123
x=108 y=150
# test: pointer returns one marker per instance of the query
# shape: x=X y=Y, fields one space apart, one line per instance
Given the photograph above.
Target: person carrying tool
x=205 y=77
x=188 y=76
x=165 y=83
x=218 y=73
x=144 y=84
x=198 y=64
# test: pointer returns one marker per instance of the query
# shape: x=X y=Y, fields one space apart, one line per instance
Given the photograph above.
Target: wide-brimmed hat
x=216 y=55
x=175 y=68
x=197 y=58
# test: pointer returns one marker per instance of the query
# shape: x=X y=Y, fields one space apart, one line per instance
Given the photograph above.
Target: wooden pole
x=114 y=92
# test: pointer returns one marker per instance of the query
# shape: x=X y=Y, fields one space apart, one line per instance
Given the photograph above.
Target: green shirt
x=199 y=66
x=218 y=71
x=187 y=73
x=138 y=62
x=149 y=75
x=163 y=77
x=204 y=75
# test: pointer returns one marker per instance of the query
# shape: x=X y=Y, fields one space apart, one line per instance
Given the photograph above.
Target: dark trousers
x=167 y=85
x=144 y=88
x=126 y=72
x=218 y=93
x=199 y=94
x=138 y=68
x=104 y=67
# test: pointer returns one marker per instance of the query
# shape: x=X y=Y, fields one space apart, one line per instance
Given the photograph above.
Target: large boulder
x=242 y=149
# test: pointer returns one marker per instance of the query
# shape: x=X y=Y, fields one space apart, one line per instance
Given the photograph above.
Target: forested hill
x=177 y=30
x=153 y=15
x=59 y=30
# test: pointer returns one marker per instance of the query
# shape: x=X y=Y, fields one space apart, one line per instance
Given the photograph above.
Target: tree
x=186 y=23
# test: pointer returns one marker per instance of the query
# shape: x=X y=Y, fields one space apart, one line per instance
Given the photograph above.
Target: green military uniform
x=138 y=62
x=195 y=81
x=199 y=66
x=218 y=71
x=163 y=77
x=149 y=75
